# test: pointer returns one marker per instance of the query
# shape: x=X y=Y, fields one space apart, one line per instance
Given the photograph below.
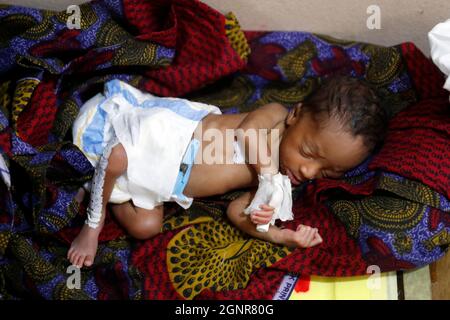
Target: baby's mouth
x=291 y=177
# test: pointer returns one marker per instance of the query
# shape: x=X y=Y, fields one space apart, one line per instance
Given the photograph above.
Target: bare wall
x=401 y=20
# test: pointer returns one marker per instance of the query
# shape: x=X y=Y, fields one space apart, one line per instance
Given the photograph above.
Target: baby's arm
x=303 y=236
x=271 y=190
x=265 y=117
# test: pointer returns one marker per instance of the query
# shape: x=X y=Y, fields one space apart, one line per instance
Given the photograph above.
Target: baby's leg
x=84 y=246
x=140 y=223
x=303 y=237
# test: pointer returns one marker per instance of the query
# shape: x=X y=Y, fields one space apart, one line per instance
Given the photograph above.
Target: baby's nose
x=309 y=172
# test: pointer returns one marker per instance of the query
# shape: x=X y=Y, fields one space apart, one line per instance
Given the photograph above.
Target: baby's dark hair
x=354 y=103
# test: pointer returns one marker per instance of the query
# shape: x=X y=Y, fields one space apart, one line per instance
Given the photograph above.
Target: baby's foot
x=84 y=247
x=303 y=237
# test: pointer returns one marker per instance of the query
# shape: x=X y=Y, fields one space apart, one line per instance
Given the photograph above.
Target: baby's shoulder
x=273 y=113
x=277 y=108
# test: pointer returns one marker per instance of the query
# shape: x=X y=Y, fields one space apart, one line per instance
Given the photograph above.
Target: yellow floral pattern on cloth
x=139 y=53
x=295 y=63
x=411 y=190
x=67 y=113
x=287 y=94
x=13 y=25
x=5 y=99
x=386 y=213
x=111 y=33
x=384 y=66
x=440 y=239
x=347 y=212
x=4 y=241
x=41 y=29
x=389 y=214
x=22 y=95
x=403 y=243
x=131 y=51
x=236 y=36
x=215 y=255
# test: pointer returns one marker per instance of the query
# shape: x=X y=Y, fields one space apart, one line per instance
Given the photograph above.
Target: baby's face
x=309 y=151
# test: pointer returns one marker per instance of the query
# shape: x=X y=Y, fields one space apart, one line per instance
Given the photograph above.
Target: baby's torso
x=214 y=171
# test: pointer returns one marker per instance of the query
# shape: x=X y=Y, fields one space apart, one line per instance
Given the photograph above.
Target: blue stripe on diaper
x=93 y=135
x=183 y=177
x=178 y=106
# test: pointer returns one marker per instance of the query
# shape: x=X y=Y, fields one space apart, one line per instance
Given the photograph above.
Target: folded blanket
x=384 y=212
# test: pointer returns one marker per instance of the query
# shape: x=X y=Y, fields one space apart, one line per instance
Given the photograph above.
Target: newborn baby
x=149 y=150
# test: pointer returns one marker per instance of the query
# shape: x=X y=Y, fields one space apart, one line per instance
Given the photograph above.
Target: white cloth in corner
x=439 y=38
x=275 y=191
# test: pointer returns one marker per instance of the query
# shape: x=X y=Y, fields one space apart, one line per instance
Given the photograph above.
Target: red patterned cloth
x=418 y=145
x=204 y=53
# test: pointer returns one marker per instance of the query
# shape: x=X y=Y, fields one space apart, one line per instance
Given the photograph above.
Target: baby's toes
x=88 y=261
x=70 y=253
x=73 y=257
x=80 y=260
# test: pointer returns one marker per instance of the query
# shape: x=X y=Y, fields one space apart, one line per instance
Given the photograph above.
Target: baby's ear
x=294 y=114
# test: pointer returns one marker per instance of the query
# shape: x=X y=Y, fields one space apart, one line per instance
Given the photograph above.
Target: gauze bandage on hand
x=275 y=191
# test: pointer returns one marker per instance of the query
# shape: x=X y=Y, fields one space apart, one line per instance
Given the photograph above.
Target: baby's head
x=332 y=131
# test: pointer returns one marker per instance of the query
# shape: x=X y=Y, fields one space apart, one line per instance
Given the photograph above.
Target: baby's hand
x=307 y=237
x=263 y=216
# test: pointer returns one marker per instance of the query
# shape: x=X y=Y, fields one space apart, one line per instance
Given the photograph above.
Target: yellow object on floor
x=370 y=287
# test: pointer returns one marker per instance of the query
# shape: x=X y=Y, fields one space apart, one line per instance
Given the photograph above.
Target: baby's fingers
x=310 y=235
x=257 y=219
x=266 y=207
x=318 y=237
x=261 y=213
x=305 y=230
x=316 y=240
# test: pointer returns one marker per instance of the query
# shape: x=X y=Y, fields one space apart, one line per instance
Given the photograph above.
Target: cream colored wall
x=401 y=20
